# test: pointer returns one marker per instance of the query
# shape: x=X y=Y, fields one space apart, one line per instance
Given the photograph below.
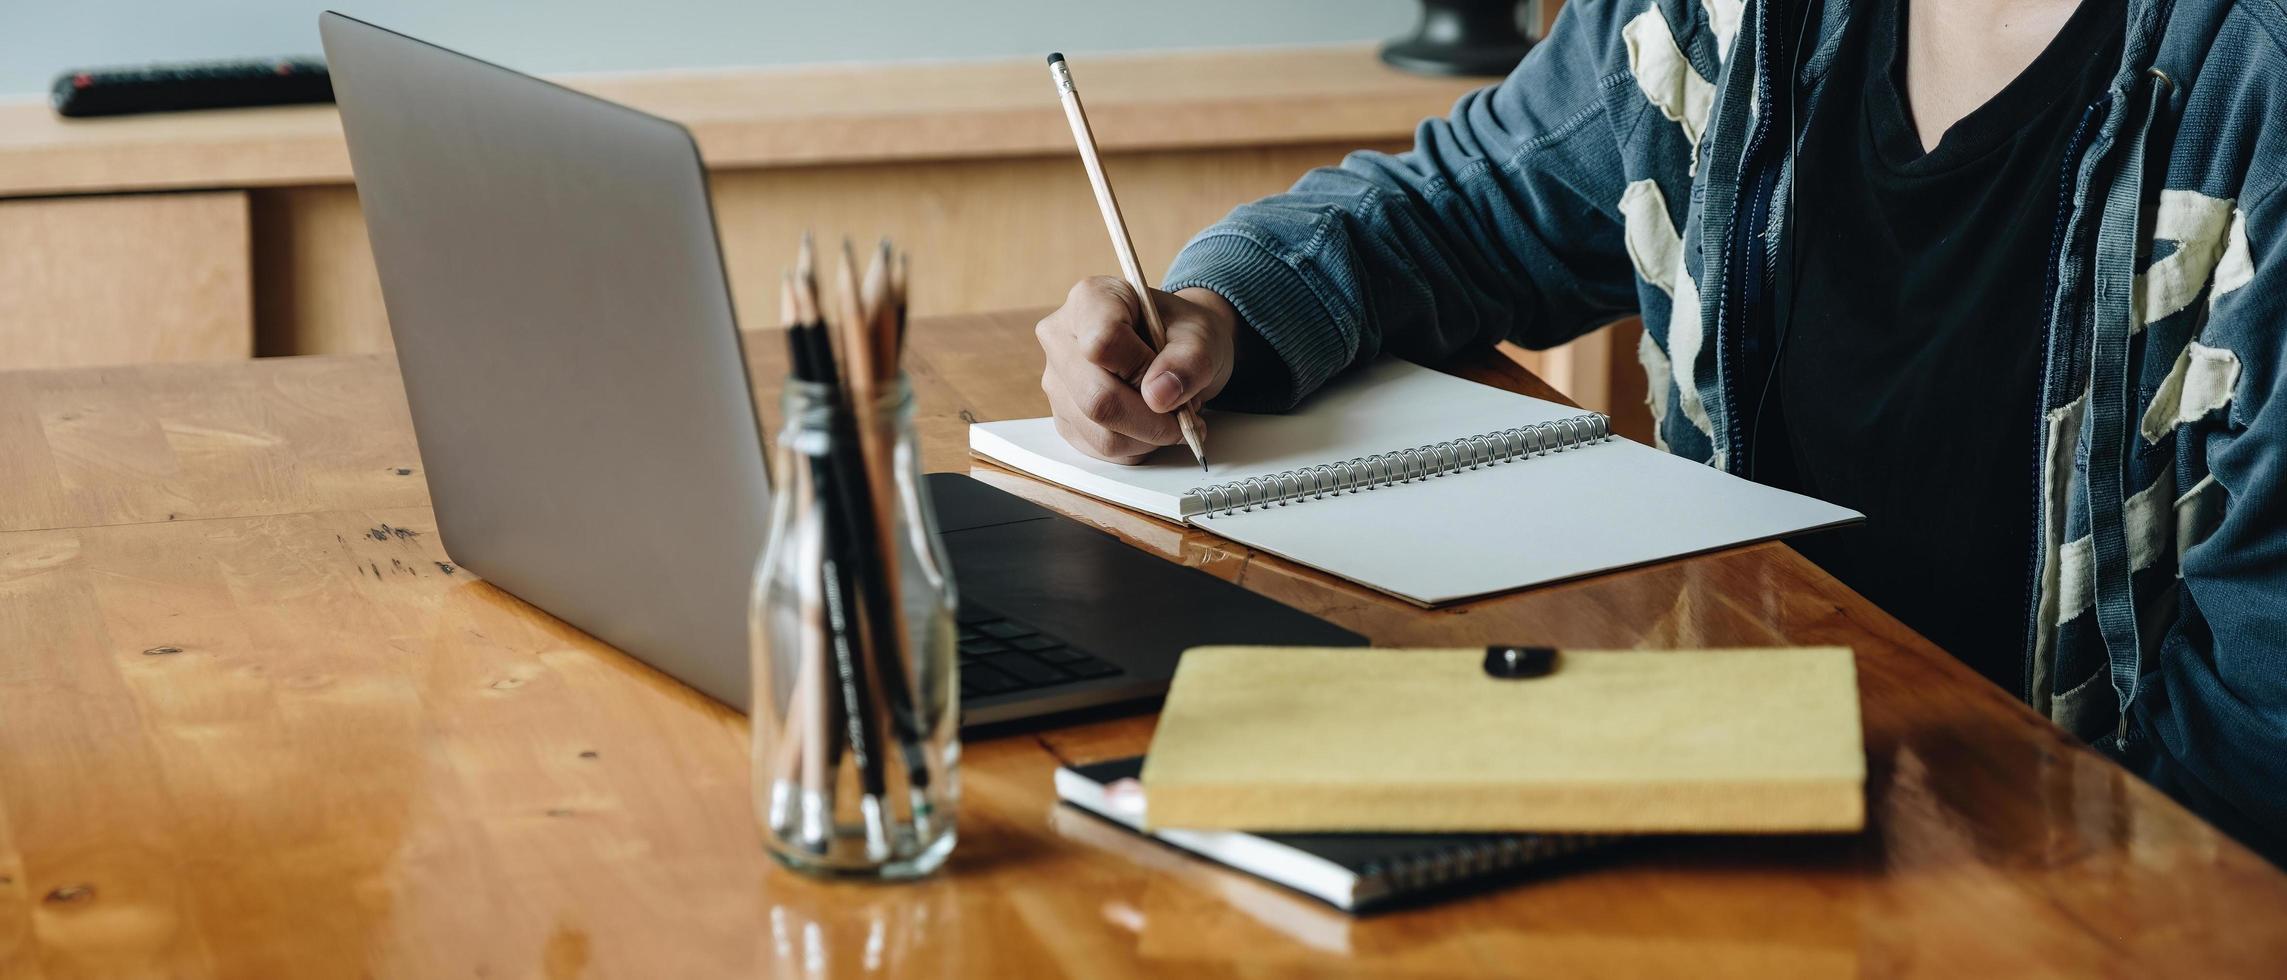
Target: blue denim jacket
x=1636 y=163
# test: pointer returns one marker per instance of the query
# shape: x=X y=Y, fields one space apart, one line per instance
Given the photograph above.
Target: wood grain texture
x=276 y=737
x=320 y=295
x=796 y=117
x=1612 y=741
x=188 y=442
x=126 y=279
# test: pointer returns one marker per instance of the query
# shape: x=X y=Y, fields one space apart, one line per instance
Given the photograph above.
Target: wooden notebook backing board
x=1307 y=739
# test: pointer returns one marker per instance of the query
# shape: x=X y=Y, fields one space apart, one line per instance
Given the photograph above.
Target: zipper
x=1750 y=269
x=2051 y=315
x=1742 y=261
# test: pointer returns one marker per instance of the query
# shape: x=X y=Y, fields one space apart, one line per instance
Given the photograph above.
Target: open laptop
x=564 y=327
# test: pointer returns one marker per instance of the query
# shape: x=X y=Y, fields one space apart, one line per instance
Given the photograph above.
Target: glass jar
x=855 y=710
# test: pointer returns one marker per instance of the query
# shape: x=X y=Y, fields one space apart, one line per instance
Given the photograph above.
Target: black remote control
x=201 y=85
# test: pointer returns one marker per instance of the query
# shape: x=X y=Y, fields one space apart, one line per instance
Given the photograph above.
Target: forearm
x=1500 y=223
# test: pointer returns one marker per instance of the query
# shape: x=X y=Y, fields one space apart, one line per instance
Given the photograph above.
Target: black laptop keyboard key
x=979 y=680
x=1057 y=653
x=1024 y=668
x=1002 y=656
x=1090 y=668
x=1003 y=629
x=980 y=648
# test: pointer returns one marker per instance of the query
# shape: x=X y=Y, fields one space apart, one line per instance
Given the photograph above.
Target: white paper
x=1384 y=407
x=1595 y=508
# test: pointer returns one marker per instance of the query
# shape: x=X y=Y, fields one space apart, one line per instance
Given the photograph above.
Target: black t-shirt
x=1910 y=367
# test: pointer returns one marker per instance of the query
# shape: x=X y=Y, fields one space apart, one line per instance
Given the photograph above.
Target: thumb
x=1180 y=372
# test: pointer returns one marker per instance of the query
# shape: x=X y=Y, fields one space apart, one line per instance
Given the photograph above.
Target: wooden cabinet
x=124 y=279
x=989 y=233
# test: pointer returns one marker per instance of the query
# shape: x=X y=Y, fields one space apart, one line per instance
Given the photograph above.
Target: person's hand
x=1113 y=398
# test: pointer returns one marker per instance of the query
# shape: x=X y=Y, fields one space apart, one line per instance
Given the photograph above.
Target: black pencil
x=844 y=605
x=873 y=329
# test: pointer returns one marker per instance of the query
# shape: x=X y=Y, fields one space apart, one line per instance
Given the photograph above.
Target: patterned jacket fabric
x=1636 y=163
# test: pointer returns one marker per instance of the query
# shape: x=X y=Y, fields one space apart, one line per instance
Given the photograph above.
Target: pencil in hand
x=1131 y=269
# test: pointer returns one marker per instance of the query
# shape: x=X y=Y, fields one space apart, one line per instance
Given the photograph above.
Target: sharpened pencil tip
x=1055 y=57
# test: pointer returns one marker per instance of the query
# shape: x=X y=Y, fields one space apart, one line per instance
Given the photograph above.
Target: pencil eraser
x=1055 y=57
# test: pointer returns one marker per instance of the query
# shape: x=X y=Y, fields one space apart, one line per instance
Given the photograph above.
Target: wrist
x=1222 y=318
x=1223 y=328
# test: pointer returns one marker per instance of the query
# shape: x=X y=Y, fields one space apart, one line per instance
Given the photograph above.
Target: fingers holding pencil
x=1123 y=245
x=1113 y=396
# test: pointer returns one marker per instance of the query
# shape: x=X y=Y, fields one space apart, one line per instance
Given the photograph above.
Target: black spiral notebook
x=1352 y=872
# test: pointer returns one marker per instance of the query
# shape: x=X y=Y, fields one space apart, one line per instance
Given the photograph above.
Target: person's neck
x=1960 y=53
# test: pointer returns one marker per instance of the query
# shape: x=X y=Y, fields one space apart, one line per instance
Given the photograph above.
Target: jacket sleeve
x=2209 y=721
x=1500 y=223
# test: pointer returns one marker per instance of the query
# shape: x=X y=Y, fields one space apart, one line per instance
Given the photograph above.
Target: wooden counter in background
x=969 y=165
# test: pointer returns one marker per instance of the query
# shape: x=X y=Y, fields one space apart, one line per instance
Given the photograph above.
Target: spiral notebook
x=1354 y=872
x=1428 y=487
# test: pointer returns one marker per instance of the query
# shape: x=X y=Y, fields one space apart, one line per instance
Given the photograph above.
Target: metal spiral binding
x=1465 y=860
x=1403 y=466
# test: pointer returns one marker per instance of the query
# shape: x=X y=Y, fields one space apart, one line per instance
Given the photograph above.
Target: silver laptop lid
x=557 y=297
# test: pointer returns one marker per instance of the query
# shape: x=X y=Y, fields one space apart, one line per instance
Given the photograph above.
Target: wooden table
x=254 y=724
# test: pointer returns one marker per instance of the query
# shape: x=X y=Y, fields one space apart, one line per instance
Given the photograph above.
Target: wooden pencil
x=868 y=329
x=878 y=325
x=873 y=294
x=897 y=283
x=850 y=341
x=1123 y=246
x=806 y=272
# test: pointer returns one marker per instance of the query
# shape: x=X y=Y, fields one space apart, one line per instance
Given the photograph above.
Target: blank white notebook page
x=1386 y=406
x=1601 y=506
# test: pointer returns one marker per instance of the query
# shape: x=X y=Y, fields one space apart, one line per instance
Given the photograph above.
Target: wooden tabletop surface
x=254 y=724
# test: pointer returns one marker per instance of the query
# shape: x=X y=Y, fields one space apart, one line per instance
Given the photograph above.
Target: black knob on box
x=1465 y=37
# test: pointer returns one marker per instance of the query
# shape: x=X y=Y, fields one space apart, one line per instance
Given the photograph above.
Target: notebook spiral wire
x=1481 y=857
x=1364 y=473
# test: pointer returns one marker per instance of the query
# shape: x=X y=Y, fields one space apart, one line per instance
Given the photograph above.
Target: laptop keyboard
x=1000 y=655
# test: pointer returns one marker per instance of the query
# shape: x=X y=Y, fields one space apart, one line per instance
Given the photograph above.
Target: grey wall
x=38 y=38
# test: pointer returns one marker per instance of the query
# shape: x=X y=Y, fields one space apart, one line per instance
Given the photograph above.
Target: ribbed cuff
x=1278 y=305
